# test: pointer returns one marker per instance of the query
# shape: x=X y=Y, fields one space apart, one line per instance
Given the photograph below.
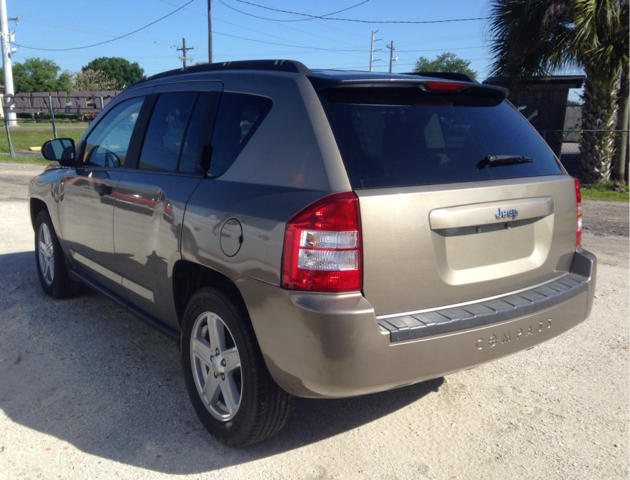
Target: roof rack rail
x=445 y=75
x=291 y=66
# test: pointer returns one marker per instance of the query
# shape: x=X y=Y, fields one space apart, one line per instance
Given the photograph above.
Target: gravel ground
x=87 y=391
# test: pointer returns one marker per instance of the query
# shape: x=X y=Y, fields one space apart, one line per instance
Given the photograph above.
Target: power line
x=286 y=45
x=83 y=29
x=106 y=41
x=440 y=49
x=310 y=17
x=326 y=17
x=267 y=34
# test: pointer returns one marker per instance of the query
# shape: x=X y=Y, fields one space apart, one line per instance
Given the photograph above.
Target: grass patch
x=32 y=160
x=607 y=191
x=23 y=138
x=60 y=124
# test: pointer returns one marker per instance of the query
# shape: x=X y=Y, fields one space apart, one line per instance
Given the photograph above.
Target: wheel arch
x=36 y=205
x=188 y=277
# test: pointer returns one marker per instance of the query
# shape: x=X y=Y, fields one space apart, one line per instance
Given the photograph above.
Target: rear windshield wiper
x=500 y=160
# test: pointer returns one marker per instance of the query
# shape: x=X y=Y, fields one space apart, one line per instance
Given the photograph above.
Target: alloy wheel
x=216 y=366
x=46 y=254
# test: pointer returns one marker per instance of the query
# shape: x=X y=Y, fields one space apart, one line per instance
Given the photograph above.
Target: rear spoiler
x=416 y=86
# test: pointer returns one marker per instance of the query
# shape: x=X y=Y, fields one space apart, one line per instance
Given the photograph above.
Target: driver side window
x=107 y=144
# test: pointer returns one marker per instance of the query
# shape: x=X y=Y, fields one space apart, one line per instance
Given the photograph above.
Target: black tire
x=263 y=407
x=50 y=261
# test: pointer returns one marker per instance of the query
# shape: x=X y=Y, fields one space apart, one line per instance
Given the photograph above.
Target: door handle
x=103 y=189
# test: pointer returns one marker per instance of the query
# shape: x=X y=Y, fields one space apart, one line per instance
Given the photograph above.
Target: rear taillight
x=322 y=246
x=578 y=221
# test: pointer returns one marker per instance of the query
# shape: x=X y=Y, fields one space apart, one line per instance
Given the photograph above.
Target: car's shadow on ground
x=90 y=375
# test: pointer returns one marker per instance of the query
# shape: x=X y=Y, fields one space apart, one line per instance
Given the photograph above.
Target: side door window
x=169 y=121
x=199 y=127
x=107 y=144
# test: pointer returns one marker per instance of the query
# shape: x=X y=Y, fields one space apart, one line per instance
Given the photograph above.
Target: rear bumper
x=325 y=345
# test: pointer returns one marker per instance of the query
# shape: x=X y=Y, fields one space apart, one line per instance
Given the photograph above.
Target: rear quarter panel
x=291 y=161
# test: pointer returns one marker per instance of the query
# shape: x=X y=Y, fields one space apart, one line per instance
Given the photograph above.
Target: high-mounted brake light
x=322 y=246
x=578 y=208
x=445 y=86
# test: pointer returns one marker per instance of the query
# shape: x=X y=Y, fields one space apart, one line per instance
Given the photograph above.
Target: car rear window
x=399 y=137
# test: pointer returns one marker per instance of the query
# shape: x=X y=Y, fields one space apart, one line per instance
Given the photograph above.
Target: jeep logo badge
x=512 y=213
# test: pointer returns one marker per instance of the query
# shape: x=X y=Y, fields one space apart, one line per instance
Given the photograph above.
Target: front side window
x=107 y=144
x=169 y=121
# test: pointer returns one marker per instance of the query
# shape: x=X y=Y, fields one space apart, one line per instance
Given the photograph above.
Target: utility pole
x=6 y=57
x=183 y=49
x=391 y=55
x=372 y=49
x=209 y=32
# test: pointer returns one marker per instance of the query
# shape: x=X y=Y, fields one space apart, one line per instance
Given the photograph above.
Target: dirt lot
x=87 y=391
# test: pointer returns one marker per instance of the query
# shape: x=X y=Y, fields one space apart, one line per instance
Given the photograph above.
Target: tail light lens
x=434 y=86
x=578 y=222
x=322 y=246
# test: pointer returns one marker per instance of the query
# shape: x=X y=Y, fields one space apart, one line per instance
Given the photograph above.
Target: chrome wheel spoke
x=232 y=360
x=230 y=394
x=216 y=332
x=212 y=389
x=202 y=350
x=47 y=235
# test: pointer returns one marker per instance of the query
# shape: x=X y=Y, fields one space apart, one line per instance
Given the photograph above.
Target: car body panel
x=86 y=216
x=147 y=225
x=261 y=210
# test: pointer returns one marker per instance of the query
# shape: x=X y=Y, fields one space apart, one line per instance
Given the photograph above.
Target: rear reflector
x=322 y=246
x=445 y=86
x=578 y=210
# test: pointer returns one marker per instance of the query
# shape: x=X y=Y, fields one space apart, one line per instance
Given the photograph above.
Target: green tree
x=537 y=37
x=88 y=80
x=123 y=71
x=37 y=75
x=447 y=62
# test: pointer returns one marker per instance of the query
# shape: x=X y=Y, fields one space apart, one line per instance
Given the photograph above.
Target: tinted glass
x=238 y=117
x=188 y=158
x=166 y=130
x=107 y=144
x=432 y=140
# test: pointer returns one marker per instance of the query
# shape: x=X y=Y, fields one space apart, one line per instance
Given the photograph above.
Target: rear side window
x=238 y=117
x=163 y=139
x=389 y=140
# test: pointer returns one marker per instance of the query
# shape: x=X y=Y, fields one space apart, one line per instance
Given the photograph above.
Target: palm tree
x=536 y=37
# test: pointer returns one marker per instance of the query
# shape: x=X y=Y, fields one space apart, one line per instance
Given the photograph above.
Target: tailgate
x=431 y=246
x=460 y=198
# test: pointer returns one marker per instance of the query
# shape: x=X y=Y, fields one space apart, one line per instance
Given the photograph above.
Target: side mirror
x=204 y=160
x=60 y=150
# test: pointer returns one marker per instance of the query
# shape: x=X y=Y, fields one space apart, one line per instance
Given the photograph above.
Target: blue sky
x=317 y=43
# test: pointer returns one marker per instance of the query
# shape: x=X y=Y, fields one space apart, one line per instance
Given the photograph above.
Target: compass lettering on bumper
x=508 y=336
